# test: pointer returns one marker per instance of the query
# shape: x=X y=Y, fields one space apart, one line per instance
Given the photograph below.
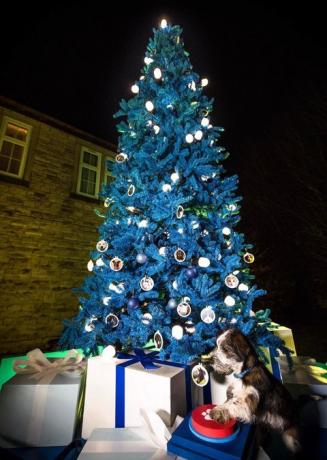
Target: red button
x=211 y=428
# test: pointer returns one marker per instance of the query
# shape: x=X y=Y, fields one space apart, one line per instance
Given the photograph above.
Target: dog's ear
x=240 y=345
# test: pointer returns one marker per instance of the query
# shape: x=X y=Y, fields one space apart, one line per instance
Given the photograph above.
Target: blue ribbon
x=274 y=364
x=148 y=361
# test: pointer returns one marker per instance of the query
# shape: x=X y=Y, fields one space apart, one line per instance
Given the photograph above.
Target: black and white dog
x=254 y=395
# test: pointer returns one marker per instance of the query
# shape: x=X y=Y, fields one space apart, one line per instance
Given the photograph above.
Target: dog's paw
x=220 y=414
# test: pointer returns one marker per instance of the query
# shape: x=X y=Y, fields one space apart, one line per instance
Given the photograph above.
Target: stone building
x=50 y=176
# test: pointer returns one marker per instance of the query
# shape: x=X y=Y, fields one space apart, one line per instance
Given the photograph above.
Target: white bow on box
x=40 y=368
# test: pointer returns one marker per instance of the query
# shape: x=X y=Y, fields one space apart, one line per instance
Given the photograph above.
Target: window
x=14 y=140
x=89 y=173
x=108 y=176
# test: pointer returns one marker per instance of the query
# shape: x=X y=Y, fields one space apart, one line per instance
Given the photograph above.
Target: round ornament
x=177 y=332
x=121 y=157
x=231 y=281
x=229 y=301
x=184 y=309
x=157 y=73
x=200 y=375
x=156 y=129
x=248 y=258
x=179 y=255
x=112 y=320
x=135 y=89
x=208 y=315
x=108 y=353
x=146 y=318
x=141 y=258
x=189 y=327
x=149 y=106
x=158 y=340
x=102 y=245
x=189 y=138
x=146 y=283
x=191 y=272
x=174 y=176
x=116 y=264
x=204 y=262
x=148 y=60
x=166 y=188
x=175 y=285
x=226 y=231
x=243 y=287
x=198 y=135
x=205 y=122
x=131 y=190
x=172 y=304
x=163 y=23
x=180 y=212
x=204 y=82
x=133 y=303
x=99 y=262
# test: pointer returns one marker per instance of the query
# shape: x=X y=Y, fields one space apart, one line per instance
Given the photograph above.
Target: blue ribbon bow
x=146 y=359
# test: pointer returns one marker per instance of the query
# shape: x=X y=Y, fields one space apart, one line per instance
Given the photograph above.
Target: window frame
x=107 y=173
x=25 y=144
x=97 y=170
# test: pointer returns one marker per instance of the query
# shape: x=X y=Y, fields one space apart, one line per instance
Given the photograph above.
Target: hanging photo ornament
x=180 y=212
x=231 y=281
x=112 y=320
x=146 y=283
x=179 y=255
x=146 y=318
x=102 y=245
x=131 y=190
x=116 y=264
x=106 y=203
x=158 y=340
x=121 y=157
x=184 y=309
x=248 y=258
x=200 y=375
x=208 y=315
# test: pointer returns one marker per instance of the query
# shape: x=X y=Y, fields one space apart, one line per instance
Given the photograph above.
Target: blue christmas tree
x=169 y=264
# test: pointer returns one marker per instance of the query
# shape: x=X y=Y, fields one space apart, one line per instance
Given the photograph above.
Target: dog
x=254 y=395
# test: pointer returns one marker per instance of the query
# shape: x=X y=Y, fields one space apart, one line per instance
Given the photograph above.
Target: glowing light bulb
x=198 y=135
x=177 y=332
x=204 y=262
x=163 y=23
x=243 y=287
x=189 y=138
x=204 y=82
x=108 y=353
x=148 y=60
x=166 y=188
x=135 y=89
x=229 y=301
x=156 y=129
x=174 y=177
x=157 y=73
x=205 y=122
x=226 y=231
x=149 y=106
x=143 y=223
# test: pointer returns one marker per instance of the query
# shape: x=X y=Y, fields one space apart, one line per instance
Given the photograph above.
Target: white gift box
x=122 y=444
x=299 y=380
x=286 y=334
x=162 y=390
x=37 y=413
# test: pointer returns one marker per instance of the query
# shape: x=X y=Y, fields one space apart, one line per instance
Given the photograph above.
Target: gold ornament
x=248 y=258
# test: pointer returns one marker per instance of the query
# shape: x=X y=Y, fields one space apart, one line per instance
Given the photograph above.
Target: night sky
x=267 y=71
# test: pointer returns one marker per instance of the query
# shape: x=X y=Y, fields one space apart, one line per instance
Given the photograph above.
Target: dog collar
x=240 y=375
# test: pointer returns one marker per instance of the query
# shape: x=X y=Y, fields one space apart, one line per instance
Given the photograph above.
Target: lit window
x=89 y=173
x=14 y=140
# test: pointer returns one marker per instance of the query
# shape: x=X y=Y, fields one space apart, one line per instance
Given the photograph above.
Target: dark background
x=267 y=71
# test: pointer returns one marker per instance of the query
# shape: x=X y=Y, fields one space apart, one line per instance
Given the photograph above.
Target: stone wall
x=46 y=235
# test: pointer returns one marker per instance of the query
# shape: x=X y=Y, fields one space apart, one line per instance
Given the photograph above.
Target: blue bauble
x=172 y=303
x=133 y=303
x=191 y=272
x=141 y=258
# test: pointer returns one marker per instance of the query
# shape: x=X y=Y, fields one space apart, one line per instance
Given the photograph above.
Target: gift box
x=117 y=389
x=305 y=376
x=284 y=333
x=185 y=443
x=122 y=444
x=41 y=404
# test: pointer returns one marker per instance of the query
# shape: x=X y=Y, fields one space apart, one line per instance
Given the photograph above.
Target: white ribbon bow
x=44 y=371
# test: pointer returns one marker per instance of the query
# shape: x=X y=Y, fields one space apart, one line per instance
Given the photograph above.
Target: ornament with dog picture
x=179 y=255
x=131 y=190
x=231 y=281
x=184 y=309
x=112 y=320
x=208 y=315
x=158 y=340
x=116 y=264
x=248 y=258
x=146 y=283
x=200 y=375
x=180 y=212
x=102 y=245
